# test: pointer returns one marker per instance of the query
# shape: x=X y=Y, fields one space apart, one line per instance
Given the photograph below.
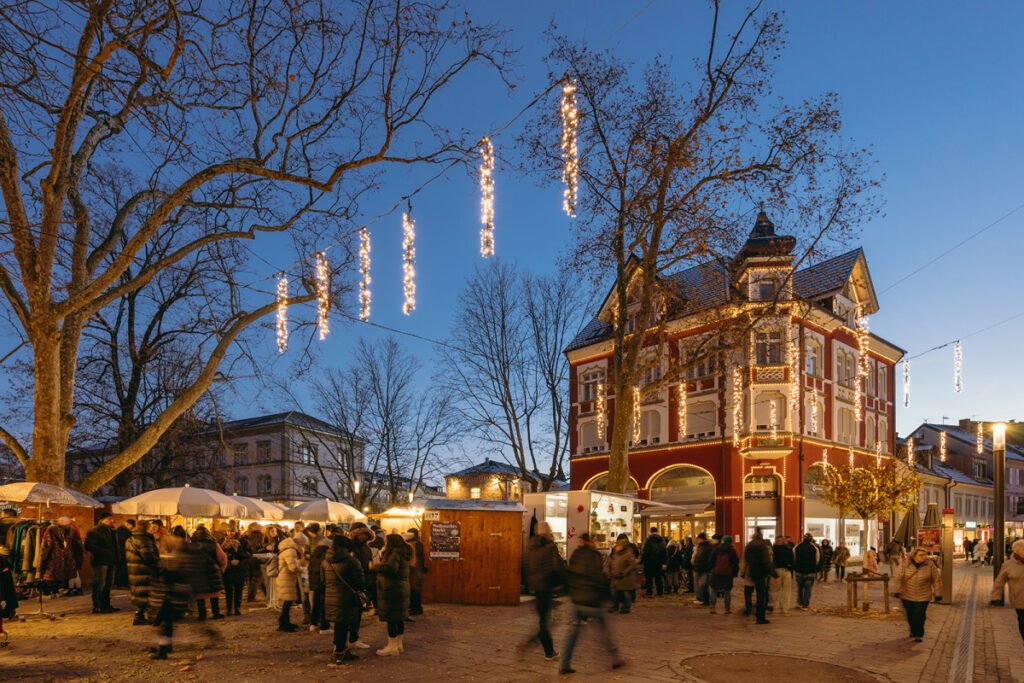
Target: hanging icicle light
x=814 y=416
x=570 y=158
x=323 y=294
x=958 y=367
x=824 y=458
x=794 y=385
x=364 y=272
x=851 y=458
x=737 y=405
x=878 y=454
x=408 y=263
x=681 y=399
x=773 y=419
x=906 y=383
x=942 y=446
x=910 y=451
x=980 y=438
x=863 y=365
x=282 y=313
x=636 y=416
x=599 y=409
x=487 y=198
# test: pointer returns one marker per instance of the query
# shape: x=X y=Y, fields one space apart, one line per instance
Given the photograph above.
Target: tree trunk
x=622 y=431
x=49 y=445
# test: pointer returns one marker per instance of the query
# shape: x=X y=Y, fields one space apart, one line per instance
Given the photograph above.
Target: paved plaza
x=665 y=639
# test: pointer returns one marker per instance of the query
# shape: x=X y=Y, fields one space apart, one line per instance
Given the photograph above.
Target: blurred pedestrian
x=588 y=587
x=122 y=534
x=825 y=563
x=143 y=566
x=701 y=556
x=919 y=580
x=543 y=574
x=782 y=582
x=625 y=580
x=1012 y=574
x=687 y=556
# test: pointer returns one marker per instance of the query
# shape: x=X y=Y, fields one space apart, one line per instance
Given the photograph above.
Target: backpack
x=723 y=565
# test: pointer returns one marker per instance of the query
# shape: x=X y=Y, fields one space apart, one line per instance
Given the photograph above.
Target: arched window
x=600 y=483
x=883 y=392
x=812 y=358
x=851 y=371
x=869 y=388
x=684 y=485
x=869 y=431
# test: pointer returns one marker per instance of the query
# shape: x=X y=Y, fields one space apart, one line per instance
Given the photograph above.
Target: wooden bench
x=852 y=583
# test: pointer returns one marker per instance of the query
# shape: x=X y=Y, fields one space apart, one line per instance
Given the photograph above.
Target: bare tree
x=505 y=364
x=195 y=126
x=668 y=170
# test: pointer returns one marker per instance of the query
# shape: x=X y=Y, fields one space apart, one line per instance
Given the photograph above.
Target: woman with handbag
x=919 y=580
x=393 y=591
x=344 y=596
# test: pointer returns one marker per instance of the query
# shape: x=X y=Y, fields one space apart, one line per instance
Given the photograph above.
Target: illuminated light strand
x=863 y=365
x=487 y=198
x=824 y=457
x=570 y=154
x=737 y=388
x=958 y=367
x=794 y=385
x=980 y=438
x=365 y=296
x=681 y=409
x=599 y=409
x=282 y=314
x=906 y=383
x=408 y=263
x=942 y=446
x=323 y=294
x=910 y=451
x=636 y=416
x=814 y=416
x=773 y=418
x=878 y=453
x=851 y=458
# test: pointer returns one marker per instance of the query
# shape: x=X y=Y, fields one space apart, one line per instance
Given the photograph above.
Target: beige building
x=490 y=480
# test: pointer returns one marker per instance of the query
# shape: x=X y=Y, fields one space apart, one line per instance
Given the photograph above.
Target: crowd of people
x=336 y=576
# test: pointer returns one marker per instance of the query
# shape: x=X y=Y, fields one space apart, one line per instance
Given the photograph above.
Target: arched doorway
x=687 y=486
x=762 y=506
x=600 y=483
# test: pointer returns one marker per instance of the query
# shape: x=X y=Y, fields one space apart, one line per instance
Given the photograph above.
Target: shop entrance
x=761 y=511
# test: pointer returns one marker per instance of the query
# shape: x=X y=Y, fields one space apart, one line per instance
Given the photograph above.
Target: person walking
x=209 y=580
x=588 y=589
x=673 y=567
x=143 y=561
x=968 y=549
x=894 y=556
x=980 y=552
x=759 y=565
x=417 y=573
x=101 y=544
x=871 y=562
x=122 y=534
x=169 y=595
x=919 y=579
x=806 y=557
x=687 y=555
x=543 y=574
x=286 y=583
x=842 y=556
x=781 y=585
x=652 y=556
x=623 y=568
x=725 y=565
x=236 y=572
x=825 y=563
x=701 y=567
x=393 y=592
x=1011 y=575
x=343 y=580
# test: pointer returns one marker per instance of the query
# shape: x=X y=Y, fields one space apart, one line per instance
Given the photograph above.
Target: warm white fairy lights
x=863 y=366
x=958 y=367
x=906 y=383
x=824 y=457
x=681 y=398
x=599 y=409
x=814 y=417
x=487 y=198
x=773 y=419
x=365 y=296
x=570 y=158
x=794 y=384
x=851 y=458
x=942 y=446
x=408 y=263
x=737 y=405
x=636 y=416
x=282 y=313
x=980 y=439
x=878 y=454
x=323 y=294
x=910 y=451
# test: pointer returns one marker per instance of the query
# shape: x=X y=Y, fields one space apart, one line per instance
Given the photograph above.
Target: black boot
x=140 y=619
x=215 y=606
x=160 y=652
x=201 y=607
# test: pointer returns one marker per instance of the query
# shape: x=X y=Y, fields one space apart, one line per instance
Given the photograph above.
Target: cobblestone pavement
x=664 y=639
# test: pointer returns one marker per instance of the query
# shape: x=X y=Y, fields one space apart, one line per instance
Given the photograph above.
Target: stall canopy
x=261 y=509
x=325 y=511
x=35 y=493
x=400 y=519
x=187 y=501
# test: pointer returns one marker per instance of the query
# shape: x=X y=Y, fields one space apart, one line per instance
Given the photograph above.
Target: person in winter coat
x=143 y=566
x=320 y=548
x=653 y=556
x=919 y=580
x=210 y=581
x=980 y=552
x=393 y=592
x=806 y=557
x=102 y=546
x=1012 y=574
x=342 y=577
x=686 y=554
x=871 y=562
x=543 y=574
x=361 y=536
x=236 y=572
x=417 y=573
x=759 y=565
x=286 y=583
x=673 y=566
x=255 y=539
x=588 y=588
x=701 y=567
x=841 y=557
x=725 y=565
x=968 y=549
x=825 y=563
x=623 y=567
x=782 y=583
x=122 y=534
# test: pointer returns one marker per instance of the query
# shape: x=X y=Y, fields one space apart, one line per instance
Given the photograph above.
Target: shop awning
x=656 y=508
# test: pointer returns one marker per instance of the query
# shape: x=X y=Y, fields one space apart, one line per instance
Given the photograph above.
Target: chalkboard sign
x=444 y=540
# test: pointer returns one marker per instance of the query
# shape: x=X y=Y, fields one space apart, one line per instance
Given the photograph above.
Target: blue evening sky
x=934 y=88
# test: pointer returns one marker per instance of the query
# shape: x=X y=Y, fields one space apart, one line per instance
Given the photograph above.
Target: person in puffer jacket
x=1012 y=574
x=919 y=580
x=143 y=565
x=543 y=574
x=286 y=583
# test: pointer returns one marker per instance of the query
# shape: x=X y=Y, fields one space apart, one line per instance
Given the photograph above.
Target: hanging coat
x=61 y=554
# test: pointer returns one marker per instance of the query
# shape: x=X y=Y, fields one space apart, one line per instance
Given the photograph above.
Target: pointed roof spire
x=764 y=242
x=763 y=227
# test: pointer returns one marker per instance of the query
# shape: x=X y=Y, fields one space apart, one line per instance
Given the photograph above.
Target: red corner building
x=761 y=413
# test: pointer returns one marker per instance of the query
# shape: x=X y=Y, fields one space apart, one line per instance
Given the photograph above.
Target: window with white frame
x=307 y=453
x=264 y=485
x=474 y=492
x=768 y=347
x=263 y=450
x=764 y=290
x=883 y=377
x=701 y=420
x=242 y=486
x=589 y=379
x=869 y=389
x=590 y=441
x=812 y=358
x=652 y=374
x=883 y=434
x=310 y=487
x=845 y=426
x=814 y=419
x=705 y=367
x=763 y=410
x=240 y=453
x=869 y=431
x=650 y=428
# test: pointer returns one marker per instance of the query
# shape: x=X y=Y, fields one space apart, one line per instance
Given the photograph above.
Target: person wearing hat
x=102 y=547
x=1012 y=574
x=806 y=558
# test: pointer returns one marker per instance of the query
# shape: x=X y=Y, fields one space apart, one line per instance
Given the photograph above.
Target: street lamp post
x=999 y=484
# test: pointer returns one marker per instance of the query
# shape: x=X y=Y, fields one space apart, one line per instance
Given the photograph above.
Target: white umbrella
x=37 y=493
x=186 y=500
x=325 y=511
x=261 y=509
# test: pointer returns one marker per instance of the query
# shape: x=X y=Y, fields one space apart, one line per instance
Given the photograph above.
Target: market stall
x=325 y=511
x=399 y=519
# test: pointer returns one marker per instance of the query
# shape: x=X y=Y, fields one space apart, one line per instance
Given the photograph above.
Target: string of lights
x=486 y=198
x=323 y=294
x=282 y=314
x=570 y=159
x=408 y=263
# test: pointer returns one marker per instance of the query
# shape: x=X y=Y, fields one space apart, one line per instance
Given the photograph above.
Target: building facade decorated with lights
x=747 y=431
